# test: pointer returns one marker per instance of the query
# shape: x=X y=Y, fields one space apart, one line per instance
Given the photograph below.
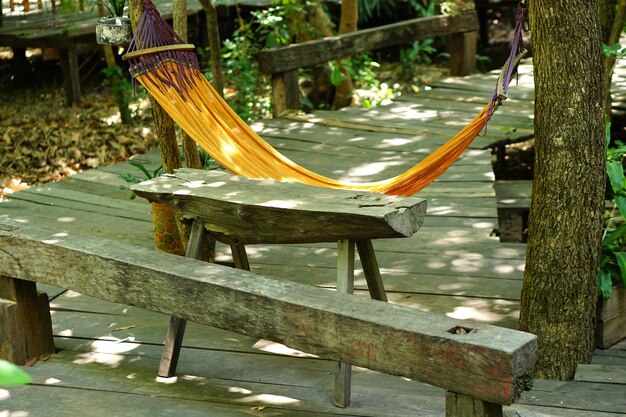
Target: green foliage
x=120 y=87
x=208 y=162
x=424 y=8
x=613 y=258
x=133 y=179
x=115 y=7
x=369 y=9
x=616 y=50
x=420 y=52
x=11 y=375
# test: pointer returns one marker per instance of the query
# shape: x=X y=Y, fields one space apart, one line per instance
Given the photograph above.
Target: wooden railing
x=283 y=62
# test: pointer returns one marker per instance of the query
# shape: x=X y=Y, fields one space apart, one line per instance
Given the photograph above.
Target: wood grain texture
x=319 y=51
x=489 y=363
x=245 y=211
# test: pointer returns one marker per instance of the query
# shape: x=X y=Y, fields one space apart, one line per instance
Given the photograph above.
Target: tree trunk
x=559 y=289
x=347 y=23
x=612 y=17
x=215 y=50
x=190 y=149
x=165 y=130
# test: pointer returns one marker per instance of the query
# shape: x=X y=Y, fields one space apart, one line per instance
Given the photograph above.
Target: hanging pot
x=113 y=31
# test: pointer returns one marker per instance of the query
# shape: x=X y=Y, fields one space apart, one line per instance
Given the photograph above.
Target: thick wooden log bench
x=482 y=366
x=240 y=211
x=282 y=63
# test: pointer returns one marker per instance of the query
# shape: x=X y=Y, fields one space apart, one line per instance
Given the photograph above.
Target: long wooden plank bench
x=482 y=366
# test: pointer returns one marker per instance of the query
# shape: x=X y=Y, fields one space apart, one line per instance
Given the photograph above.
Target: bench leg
x=345 y=284
x=371 y=270
x=25 y=324
x=176 y=330
x=459 y=405
x=240 y=257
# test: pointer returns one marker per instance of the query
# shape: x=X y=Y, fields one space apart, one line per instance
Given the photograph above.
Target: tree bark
x=613 y=17
x=190 y=149
x=559 y=288
x=164 y=125
x=215 y=50
x=347 y=23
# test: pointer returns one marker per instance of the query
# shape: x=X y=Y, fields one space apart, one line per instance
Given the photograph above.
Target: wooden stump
x=25 y=324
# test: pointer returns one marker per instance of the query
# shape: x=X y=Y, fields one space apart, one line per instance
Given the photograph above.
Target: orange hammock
x=170 y=73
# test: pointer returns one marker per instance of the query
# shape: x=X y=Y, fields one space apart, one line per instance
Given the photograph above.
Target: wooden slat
x=241 y=210
x=490 y=363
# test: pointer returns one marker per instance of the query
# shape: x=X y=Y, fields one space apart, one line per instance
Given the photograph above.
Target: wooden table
x=240 y=211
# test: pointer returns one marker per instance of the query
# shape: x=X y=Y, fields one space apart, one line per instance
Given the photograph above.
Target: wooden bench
x=283 y=63
x=239 y=211
x=482 y=366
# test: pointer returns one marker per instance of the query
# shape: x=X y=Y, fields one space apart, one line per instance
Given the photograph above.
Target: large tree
x=559 y=290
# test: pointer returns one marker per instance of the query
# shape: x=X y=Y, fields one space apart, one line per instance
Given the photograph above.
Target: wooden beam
x=485 y=362
x=246 y=211
x=305 y=54
x=25 y=325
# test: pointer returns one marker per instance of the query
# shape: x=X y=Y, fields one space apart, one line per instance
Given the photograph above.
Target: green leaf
x=336 y=76
x=130 y=178
x=142 y=168
x=615 y=170
x=604 y=283
x=614 y=235
x=620 y=202
x=621 y=261
x=11 y=375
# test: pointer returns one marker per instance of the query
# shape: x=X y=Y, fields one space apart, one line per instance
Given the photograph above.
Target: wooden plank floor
x=454 y=265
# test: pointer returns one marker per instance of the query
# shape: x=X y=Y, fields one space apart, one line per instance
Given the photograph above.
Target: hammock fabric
x=169 y=70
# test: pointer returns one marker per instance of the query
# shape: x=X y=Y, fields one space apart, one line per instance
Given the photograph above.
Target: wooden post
x=459 y=405
x=345 y=284
x=25 y=324
x=240 y=257
x=71 y=77
x=285 y=92
x=462 y=49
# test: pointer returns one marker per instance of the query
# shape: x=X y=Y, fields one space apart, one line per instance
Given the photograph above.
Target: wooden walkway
x=454 y=265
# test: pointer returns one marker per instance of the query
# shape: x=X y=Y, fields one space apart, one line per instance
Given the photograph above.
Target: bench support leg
x=371 y=270
x=345 y=284
x=459 y=405
x=176 y=330
x=25 y=324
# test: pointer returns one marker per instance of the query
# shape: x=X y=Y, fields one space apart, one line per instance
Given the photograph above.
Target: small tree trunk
x=347 y=23
x=215 y=50
x=613 y=23
x=165 y=131
x=559 y=288
x=190 y=149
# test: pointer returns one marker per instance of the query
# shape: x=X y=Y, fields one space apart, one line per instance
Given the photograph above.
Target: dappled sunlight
x=270 y=399
x=278 y=348
x=4 y=395
x=107 y=351
x=371 y=168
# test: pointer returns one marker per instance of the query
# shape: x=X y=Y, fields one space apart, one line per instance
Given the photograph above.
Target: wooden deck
x=454 y=265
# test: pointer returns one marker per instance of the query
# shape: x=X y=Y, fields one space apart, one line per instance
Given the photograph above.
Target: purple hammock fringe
x=153 y=31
